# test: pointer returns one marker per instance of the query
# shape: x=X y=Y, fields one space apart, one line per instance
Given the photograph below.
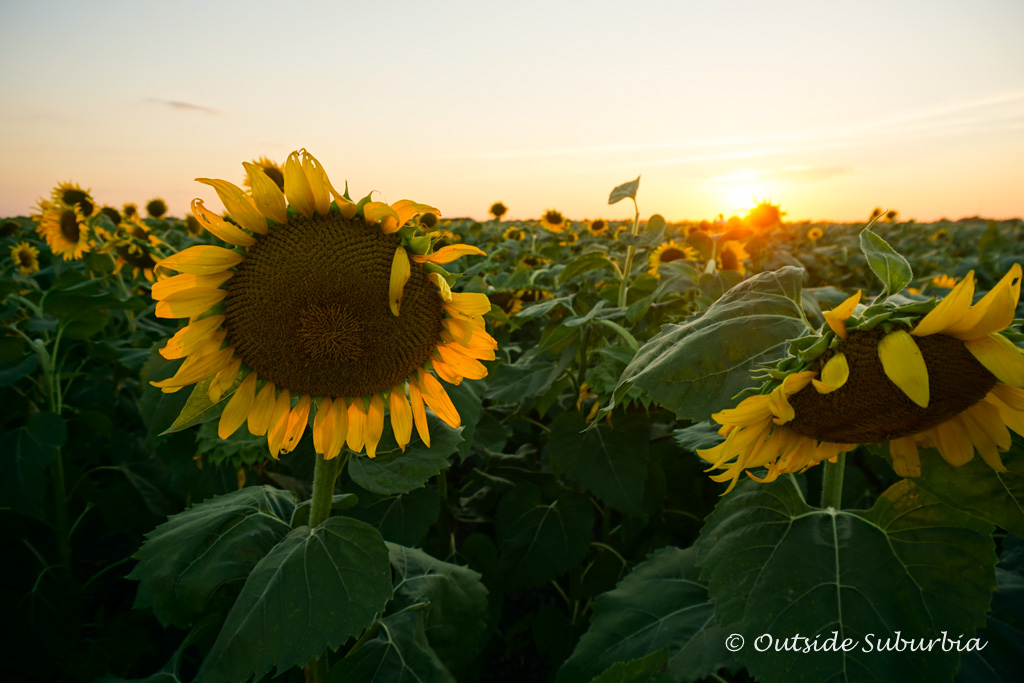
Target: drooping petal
x=189 y=303
x=339 y=413
x=237 y=410
x=448 y=254
x=1001 y=357
x=323 y=426
x=904 y=365
x=953 y=442
x=297 y=188
x=468 y=304
x=750 y=410
x=374 y=425
x=400 y=272
x=219 y=227
x=223 y=380
x=201 y=259
x=356 y=425
x=987 y=432
x=406 y=208
x=198 y=366
x=186 y=281
x=266 y=194
x=463 y=365
x=837 y=317
x=1013 y=397
x=319 y=185
x=263 y=410
x=419 y=411
x=444 y=290
x=905 y=460
x=401 y=417
x=833 y=375
x=379 y=212
x=238 y=205
x=279 y=423
x=949 y=311
x=297 y=420
x=191 y=337
x=994 y=312
x=437 y=400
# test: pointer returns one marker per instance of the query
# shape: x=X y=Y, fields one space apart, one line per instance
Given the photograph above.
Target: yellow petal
x=189 y=303
x=238 y=205
x=223 y=380
x=262 y=410
x=467 y=367
x=479 y=353
x=994 y=312
x=987 y=432
x=443 y=288
x=468 y=303
x=339 y=413
x=323 y=426
x=296 y=186
x=437 y=400
x=197 y=367
x=191 y=337
x=837 y=317
x=419 y=412
x=406 y=208
x=298 y=418
x=904 y=365
x=379 y=212
x=1013 y=397
x=1001 y=357
x=356 y=425
x=905 y=460
x=279 y=423
x=186 y=281
x=448 y=254
x=374 y=425
x=219 y=227
x=949 y=311
x=750 y=410
x=266 y=195
x=401 y=417
x=953 y=442
x=400 y=272
x=201 y=259
x=833 y=375
x=319 y=184
x=238 y=407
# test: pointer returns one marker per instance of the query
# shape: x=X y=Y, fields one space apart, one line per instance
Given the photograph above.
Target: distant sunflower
x=156 y=208
x=71 y=194
x=513 y=233
x=534 y=261
x=133 y=245
x=25 y=257
x=113 y=214
x=570 y=238
x=64 y=228
x=130 y=210
x=273 y=170
x=512 y=300
x=320 y=306
x=948 y=380
x=553 y=221
x=731 y=255
x=944 y=281
x=668 y=252
x=498 y=210
x=764 y=215
x=814 y=234
x=598 y=227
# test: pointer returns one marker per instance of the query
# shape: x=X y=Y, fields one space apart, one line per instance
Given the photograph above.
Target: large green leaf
x=584 y=263
x=403 y=519
x=888 y=265
x=526 y=378
x=661 y=605
x=313 y=591
x=624 y=191
x=696 y=368
x=393 y=471
x=541 y=541
x=975 y=488
x=25 y=455
x=609 y=461
x=196 y=562
x=910 y=567
x=399 y=653
x=456 y=603
x=650 y=669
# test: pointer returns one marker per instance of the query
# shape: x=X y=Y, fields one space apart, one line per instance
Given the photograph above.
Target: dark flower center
x=69 y=226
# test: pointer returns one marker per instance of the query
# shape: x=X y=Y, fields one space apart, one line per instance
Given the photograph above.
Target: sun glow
x=738 y=191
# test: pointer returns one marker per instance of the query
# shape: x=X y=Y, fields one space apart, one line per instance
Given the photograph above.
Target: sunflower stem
x=325 y=473
x=630 y=250
x=832 y=483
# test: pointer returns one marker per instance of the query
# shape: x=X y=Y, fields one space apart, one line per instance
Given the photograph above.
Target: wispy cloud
x=182 y=106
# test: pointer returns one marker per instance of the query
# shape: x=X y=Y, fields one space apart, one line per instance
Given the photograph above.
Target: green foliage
x=393 y=471
x=888 y=265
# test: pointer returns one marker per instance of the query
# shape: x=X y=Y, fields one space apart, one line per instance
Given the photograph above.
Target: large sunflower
x=64 y=228
x=668 y=252
x=948 y=380
x=321 y=306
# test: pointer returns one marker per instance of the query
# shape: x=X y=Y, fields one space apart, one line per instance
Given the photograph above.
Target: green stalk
x=325 y=474
x=832 y=483
x=630 y=250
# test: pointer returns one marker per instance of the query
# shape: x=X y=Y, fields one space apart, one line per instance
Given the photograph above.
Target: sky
x=829 y=109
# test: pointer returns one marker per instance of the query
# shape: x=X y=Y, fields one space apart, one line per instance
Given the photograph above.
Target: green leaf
x=395 y=472
x=456 y=611
x=400 y=653
x=584 y=263
x=699 y=435
x=196 y=562
x=311 y=592
x=198 y=408
x=468 y=400
x=888 y=265
x=403 y=519
x=608 y=461
x=577 y=320
x=544 y=307
x=696 y=368
x=976 y=489
x=624 y=191
x=10 y=375
x=650 y=669
x=776 y=566
x=541 y=541
x=661 y=606
x=519 y=381
x=25 y=455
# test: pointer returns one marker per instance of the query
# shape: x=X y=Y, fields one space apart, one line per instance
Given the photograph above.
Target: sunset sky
x=829 y=109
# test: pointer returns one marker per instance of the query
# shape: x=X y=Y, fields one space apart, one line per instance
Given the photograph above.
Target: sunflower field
x=311 y=436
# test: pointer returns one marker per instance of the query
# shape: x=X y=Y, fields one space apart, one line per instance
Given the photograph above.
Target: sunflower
x=948 y=380
x=25 y=257
x=71 y=194
x=764 y=215
x=497 y=210
x=324 y=307
x=156 y=208
x=731 y=255
x=133 y=245
x=668 y=252
x=512 y=300
x=130 y=210
x=553 y=221
x=814 y=234
x=571 y=238
x=273 y=170
x=513 y=233
x=944 y=281
x=64 y=228
x=598 y=227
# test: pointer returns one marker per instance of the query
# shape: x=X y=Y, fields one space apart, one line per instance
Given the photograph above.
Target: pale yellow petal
x=191 y=337
x=297 y=188
x=197 y=367
x=189 y=303
x=406 y=208
x=201 y=259
x=379 y=212
x=448 y=254
x=223 y=380
x=185 y=281
x=219 y=227
x=1001 y=357
x=319 y=185
x=837 y=317
x=400 y=272
x=238 y=205
x=443 y=288
x=833 y=375
x=468 y=303
x=419 y=412
x=237 y=410
x=904 y=365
